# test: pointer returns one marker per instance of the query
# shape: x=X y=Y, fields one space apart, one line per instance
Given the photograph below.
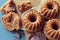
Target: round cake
x=33 y=21
x=49 y=9
x=11 y=21
x=22 y=7
x=52 y=29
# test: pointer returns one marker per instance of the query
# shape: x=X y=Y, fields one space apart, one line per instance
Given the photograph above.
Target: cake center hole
x=32 y=18
x=55 y=26
x=49 y=6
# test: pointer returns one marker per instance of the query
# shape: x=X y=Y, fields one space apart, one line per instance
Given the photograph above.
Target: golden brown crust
x=52 y=29
x=33 y=21
x=11 y=21
x=8 y=7
x=49 y=9
x=24 y=6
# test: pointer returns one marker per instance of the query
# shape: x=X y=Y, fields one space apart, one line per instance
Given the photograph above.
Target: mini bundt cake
x=52 y=29
x=33 y=21
x=49 y=9
x=24 y=6
x=9 y=7
x=11 y=21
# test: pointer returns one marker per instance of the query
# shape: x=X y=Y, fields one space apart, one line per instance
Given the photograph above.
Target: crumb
x=35 y=38
x=42 y=37
x=17 y=35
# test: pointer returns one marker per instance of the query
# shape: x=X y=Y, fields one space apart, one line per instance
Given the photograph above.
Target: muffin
x=22 y=7
x=33 y=21
x=9 y=7
x=52 y=29
x=49 y=9
x=11 y=21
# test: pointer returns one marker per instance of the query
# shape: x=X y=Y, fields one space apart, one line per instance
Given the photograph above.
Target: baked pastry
x=52 y=29
x=11 y=21
x=33 y=21
x=49 y=9
x=24 y=6
x=9 y=7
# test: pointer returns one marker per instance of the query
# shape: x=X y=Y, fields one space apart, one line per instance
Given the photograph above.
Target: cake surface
x=49 y=9
x=52 y=29
x=23 y=6
x=11 y=21
x=8 y=7
x=33 y=21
